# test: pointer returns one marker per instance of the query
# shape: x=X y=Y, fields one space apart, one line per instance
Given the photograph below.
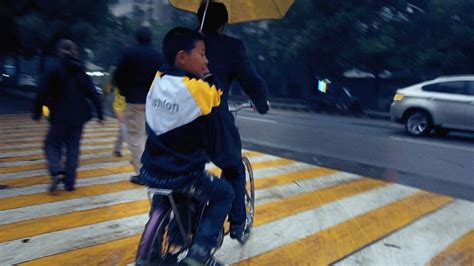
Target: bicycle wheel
x=249 y=198
x=154 y=247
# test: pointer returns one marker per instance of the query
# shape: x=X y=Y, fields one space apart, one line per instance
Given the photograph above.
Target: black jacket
x=66 y=89
x=228 y=61
x=135 y=72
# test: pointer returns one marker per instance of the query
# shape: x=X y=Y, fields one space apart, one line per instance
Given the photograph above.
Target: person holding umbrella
x=228 y=62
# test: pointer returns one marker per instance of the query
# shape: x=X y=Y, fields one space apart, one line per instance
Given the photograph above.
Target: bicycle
x=161 y=242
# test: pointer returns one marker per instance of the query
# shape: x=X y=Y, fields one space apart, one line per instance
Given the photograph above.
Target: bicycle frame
x=169 y=194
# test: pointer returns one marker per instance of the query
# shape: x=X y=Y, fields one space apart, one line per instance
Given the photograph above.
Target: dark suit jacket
x=228 y=61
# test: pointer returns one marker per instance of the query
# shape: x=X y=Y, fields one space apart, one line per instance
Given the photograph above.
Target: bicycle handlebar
x=240 y=107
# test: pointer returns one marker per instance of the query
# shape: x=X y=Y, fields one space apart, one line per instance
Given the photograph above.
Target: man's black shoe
x=239 y=232
x=55 y=180
x=136 y=180
x=70 y=189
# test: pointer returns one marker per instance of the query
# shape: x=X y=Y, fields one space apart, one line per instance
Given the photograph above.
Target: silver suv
x=442 y=104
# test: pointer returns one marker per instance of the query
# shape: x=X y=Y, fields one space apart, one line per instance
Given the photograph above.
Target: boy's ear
x=180 y=57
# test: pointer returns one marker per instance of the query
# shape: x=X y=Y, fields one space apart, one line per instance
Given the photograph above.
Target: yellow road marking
x=43 y=179
x=38 y=166
x=291 y=205
x=125 y=249
x=259 y=165
x=336 y=242
x=83 y=139
x=35 y=180
x=54 y=223
x=41 y=147
x=118 y=252
x=461 y=252
x=41 y=134
x=291 y=177
x=41 y=198
x=41 y=156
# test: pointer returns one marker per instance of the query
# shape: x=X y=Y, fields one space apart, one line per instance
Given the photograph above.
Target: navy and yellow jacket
x=180 y=111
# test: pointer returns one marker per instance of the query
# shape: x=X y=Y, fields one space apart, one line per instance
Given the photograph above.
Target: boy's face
x=194 y=62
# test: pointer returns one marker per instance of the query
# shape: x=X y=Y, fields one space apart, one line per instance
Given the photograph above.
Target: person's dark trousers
x=70 y=136
x=220 y=195
x=236 y=177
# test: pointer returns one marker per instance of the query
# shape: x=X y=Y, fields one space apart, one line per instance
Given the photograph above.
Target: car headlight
x=398 y=97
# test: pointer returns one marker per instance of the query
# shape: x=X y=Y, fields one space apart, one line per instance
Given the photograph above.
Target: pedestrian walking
x=118 y=106
x=228 y=61
x=135 y=72
x=65 y=89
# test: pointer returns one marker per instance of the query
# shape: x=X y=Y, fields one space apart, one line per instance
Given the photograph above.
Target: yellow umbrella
x=243 y=10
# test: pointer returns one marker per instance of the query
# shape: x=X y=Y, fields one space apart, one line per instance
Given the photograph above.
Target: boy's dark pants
x=58 y=135
x=220 y=195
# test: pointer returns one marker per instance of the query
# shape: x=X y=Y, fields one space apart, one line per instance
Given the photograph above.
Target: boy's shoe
x=70 y=189
x=55 y=180
x=136 y=180
x=199 y=256
x=117 y=154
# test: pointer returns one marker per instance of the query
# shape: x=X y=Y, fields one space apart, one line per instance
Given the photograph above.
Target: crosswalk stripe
x=299 y=203
x=66 y=221
x=83 y=148
x=41 y=156
x=35 y=174
x=35 y=139
x=10 y=167
x=41 y=134
x=341 y=240
x=118 y=252
x=100 y=175
x=282 y=232
x=72 y=205
x=293 y=177
x=40 y=147
x=84 y=182
x=17 y=127
x=10 y=131
x=30 y=184
x=40 y=198
x=103 y=158
x=316 y=183
x=460 y=252
x=65 y=240
x=403 y=248
x=261 y=196
x=100 y=214
x=82 y=238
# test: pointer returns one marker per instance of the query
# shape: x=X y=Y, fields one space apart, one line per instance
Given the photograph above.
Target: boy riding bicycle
x=181 y=108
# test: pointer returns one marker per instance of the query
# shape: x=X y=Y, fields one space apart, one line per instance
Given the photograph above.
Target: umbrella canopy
x=243 y=10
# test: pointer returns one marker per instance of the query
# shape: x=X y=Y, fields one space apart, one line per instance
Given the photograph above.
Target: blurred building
x=147 y=10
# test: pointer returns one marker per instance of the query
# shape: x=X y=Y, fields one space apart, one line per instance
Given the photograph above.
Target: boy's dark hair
x=178 y=39
x=143 y=35
x=216 y=16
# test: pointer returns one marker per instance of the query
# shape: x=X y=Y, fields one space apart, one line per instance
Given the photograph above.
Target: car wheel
x=418 y=123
